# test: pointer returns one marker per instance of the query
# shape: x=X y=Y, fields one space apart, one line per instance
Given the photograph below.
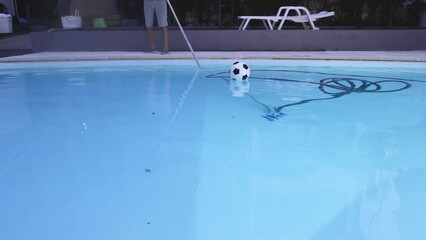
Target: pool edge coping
x=388 y=56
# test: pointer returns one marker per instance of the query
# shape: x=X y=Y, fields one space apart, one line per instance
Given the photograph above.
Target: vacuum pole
x=184 y=35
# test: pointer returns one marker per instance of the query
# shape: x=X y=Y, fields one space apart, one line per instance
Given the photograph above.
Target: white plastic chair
x=301 y=15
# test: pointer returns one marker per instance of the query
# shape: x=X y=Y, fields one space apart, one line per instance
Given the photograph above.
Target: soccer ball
x=239 y=71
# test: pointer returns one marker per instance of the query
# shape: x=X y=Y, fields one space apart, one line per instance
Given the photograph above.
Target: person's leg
x=165 y=39
x=149 y=23
x=152 y=43
x=161 y=12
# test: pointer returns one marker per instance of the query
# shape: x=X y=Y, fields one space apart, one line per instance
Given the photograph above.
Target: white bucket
x=6 y=23
x=72 y=21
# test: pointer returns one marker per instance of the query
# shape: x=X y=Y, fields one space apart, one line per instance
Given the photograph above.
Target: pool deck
x=405 y=56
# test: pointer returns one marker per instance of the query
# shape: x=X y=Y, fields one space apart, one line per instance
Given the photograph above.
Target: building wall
x=94 y=7
x=9 y=5
x=62 y=8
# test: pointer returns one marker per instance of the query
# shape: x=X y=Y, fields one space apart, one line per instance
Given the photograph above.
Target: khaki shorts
x=160 y=9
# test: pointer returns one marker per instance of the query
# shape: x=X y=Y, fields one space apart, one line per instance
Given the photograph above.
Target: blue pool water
x=317 y=150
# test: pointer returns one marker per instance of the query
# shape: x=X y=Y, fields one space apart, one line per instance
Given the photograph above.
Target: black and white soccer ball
x=239 y=71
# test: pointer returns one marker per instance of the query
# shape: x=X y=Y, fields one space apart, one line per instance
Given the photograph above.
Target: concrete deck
x=405 y=56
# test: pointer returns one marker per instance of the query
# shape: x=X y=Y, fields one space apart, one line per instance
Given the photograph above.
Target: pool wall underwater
x=164 y=150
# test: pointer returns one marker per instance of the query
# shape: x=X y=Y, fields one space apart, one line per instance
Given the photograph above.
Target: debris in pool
x=147 y=170
x=153 y=113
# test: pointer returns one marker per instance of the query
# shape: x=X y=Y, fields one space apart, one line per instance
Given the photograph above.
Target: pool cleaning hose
x=184 y=35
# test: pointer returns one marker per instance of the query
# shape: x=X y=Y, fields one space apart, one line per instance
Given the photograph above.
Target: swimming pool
x=160 y=150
